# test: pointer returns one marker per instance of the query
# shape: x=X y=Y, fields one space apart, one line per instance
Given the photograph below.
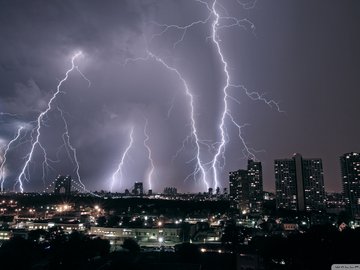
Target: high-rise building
x=255 y=186
x=285 y=184
x=314 y=189
x=299 y=183
x=246 y=188
x=350 y=172
x=239 y=187
x=62 y=185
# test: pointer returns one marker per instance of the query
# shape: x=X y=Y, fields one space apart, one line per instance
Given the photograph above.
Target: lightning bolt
x=2 y=166
x=119 y=170
x=8 y=114
x=247 y=4
x=40 y=121
x=199 y=167
x=226 y=111
x=152 y=167
x=183 y=29
x=221 y=22
x=68 y=145
x=171 y=107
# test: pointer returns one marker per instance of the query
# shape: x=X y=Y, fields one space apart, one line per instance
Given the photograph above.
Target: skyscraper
x=246 y=188
x=255 y=186
x=239 y=190
x=314 y=190
x=299 y=183
x=285 y=184
x=350 y=172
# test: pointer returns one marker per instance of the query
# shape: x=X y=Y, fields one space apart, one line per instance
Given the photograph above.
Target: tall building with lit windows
x=239 y=190
x=299 y=183
x=350 y=172
x=246 y=188
x=255 y=186
x=285 y=184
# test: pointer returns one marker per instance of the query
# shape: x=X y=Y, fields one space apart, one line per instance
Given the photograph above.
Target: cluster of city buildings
x=299 y=189
x=299 y=184
x=149 y=230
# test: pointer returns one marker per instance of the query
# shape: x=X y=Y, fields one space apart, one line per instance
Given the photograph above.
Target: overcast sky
x=305 y=55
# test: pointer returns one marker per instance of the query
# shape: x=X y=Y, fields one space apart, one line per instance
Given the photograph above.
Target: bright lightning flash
x=152 y=167
x=199 y=168
x=226 y=114
x=219 y=22
x=40 y=121
x=2 y=166
x=119 y=170
x=69 y=147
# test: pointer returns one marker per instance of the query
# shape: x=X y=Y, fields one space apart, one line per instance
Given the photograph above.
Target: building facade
x=246 y=188
x=239 y=190
x=314 y=190
x=255 y=186
x=350 y=172
x=150 y=236
x=299 y=184
x=285 y=184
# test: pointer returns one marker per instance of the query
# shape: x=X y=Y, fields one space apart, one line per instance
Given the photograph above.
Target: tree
x=131 y=245
x=113 y=221
x=101 y=221
x=188 y=253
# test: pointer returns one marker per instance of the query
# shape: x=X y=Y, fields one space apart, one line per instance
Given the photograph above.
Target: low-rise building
x=155 y=235
x=48 y=224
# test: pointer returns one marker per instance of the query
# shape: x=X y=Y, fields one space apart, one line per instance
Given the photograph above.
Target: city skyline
x=311 y=175
x=158 y=92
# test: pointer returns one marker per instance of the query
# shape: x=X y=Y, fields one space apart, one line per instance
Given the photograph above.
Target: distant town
x=242 y=227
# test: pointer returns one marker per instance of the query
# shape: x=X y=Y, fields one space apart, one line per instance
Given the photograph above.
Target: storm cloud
x=303 y=54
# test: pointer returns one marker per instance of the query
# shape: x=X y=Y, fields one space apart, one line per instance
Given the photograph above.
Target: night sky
x=304 y=55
